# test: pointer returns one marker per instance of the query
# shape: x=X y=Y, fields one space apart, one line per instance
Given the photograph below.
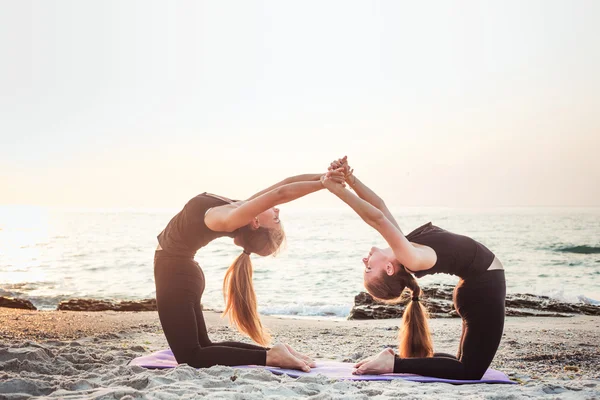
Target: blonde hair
x=238 y=288
x=414 y=337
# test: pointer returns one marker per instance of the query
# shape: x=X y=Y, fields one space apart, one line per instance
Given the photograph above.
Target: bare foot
x=280 y=356
x=307 y=359
x=382 y=363
x=361 y=362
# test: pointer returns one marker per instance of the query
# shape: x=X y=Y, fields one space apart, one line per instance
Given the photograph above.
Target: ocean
x=48 y=254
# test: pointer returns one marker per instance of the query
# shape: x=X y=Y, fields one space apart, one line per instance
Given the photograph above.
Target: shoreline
x=437 y=298
x=43 y=352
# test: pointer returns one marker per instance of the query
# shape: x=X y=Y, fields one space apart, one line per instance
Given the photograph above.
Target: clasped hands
x=338 y=175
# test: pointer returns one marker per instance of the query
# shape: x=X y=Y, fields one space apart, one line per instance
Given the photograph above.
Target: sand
x=84 y=355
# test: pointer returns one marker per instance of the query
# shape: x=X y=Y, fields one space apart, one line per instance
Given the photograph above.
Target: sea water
x=48 y=255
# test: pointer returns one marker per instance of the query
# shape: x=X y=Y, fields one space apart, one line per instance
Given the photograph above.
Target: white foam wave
x=560 y=295
x=307 y=310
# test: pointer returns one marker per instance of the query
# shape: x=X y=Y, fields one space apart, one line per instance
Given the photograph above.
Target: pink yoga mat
x=331 y=369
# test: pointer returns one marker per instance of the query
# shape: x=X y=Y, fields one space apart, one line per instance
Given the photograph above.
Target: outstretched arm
x=287 y=181
x=365 y=193
x=362 y=190
x=412 y=257
x=228 y=219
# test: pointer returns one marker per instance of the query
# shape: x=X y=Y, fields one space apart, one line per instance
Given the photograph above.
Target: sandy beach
x=300 y=161
x=77 y=355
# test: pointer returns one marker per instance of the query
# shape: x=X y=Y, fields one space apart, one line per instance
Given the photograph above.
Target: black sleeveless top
x=187 y=232
x=456 y=254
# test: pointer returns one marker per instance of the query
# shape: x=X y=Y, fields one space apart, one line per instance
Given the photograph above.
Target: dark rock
x=377 y=311
x=545 y=303
x=438 y=301
x=364 y=299
x=10 y=302
x=85 y=305
x=103 y=305
x=141 y=305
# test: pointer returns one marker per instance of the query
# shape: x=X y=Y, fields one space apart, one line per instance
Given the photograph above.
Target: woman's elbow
x=281 y=193
x=377 y=219
x=379 y=203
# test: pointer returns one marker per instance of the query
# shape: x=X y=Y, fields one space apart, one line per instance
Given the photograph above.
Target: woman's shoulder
x=218 y=197
x=428 y=230
x=422 y=229
x=210 y=200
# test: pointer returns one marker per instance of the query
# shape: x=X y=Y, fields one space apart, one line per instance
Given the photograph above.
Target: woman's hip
x=175 y=273
x=483 y=293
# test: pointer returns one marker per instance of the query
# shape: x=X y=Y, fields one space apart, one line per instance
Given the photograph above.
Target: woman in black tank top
x=255 y=227
x=478 y=297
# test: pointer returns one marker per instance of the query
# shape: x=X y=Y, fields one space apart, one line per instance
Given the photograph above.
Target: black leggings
x=179 y=287
x=480 y=302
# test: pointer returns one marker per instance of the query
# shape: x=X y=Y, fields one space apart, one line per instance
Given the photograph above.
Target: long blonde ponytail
x=238 y=288
x=240 y=300
x=414 y=338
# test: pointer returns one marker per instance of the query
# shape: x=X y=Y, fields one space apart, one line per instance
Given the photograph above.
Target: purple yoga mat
x=331 y=369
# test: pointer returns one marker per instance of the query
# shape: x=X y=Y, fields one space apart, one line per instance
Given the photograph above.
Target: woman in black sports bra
x=478 y=297
x=255 y=227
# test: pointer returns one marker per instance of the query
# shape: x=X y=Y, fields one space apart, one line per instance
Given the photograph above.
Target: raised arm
x=365 y=193
x=287 y=181
x=362 y=190
x=228 y=219
x=412 y=257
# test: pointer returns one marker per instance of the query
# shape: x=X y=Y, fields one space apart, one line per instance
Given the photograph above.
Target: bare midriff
x=496 y=264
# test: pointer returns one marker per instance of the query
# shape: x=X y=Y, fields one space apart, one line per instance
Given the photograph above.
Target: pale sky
x=145 y=104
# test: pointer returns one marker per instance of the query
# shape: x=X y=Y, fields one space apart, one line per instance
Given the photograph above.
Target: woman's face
x=269 y=218
x=377 y=262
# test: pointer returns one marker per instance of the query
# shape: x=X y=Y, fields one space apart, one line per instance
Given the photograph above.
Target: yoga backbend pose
x=254 y=226
x=478 y=297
